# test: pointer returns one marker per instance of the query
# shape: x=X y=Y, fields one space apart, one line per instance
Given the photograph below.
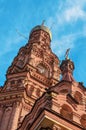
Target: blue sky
x=65 y=18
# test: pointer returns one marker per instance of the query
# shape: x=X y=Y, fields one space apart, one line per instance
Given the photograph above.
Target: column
x=14 y=116
x=5 y=118
x=1 y=113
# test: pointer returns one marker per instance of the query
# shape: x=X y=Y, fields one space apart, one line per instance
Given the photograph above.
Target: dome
x=67 y=62
x=44 y=28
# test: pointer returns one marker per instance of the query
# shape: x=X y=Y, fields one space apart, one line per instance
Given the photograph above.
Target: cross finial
x=43 y=22
x=67 y=53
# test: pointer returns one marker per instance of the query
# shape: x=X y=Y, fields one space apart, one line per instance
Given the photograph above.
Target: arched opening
x=78 y=97
x=42 y=69
x=64 y=91
x=66 y=112
x=83 y=120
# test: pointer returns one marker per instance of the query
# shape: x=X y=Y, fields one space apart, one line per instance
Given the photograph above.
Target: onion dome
x=42 y=27
x=67 y=67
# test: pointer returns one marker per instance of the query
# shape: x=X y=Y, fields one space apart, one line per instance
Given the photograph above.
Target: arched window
x=78 y=97
x=83 y=120
x=64 y=91
x=66 y=112
x=42 y=69
x=30 y=90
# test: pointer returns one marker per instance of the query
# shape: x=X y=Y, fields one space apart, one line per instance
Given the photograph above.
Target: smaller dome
x=66 y=62
x=67 y=67
x=42 y=27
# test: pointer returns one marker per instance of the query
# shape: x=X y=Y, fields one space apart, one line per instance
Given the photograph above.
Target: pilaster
x=15 y=116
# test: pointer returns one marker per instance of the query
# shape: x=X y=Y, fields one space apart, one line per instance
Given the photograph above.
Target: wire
x=21 y=34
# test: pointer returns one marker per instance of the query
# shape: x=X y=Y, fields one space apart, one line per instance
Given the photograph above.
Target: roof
x=44 y=28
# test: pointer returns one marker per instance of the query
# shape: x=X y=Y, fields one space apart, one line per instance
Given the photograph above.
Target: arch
x=8 y=109
x=64 y=91
x=78 y=96
x=43 y=69
x=83 y=120
x=29 y=90
x=66 y=112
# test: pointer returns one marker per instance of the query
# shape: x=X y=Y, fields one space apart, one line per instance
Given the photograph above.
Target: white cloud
x=73 y=14
x=60 y=46
x=69 y=12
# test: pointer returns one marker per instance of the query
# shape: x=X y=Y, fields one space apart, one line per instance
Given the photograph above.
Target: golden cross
x=67 y=53
x=43 y=22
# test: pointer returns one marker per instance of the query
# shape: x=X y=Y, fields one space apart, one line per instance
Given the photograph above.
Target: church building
x=40 y=93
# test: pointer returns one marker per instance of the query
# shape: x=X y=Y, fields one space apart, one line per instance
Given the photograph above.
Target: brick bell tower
x=61 y=107
x=32 y=70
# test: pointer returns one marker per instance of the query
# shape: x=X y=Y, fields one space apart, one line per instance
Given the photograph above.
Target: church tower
x=33 y=70
x=34 y=97
x=61 y=107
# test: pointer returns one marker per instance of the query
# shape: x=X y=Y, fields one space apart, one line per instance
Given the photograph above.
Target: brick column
x=14 y=116
x=1 y=114
x=5 y=118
